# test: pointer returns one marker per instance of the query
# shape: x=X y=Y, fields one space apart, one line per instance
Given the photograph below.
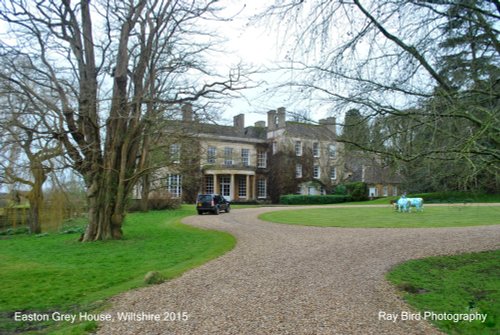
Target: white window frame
x=275 y=147
x=332 y=150
x=209 y=184
x=261 y=188
x=333 y=173
x=316 y=149
x=211 y=155
x=298 y=170
x=298 y=148
x=394 y=190
x=262 y=159
x=316 y=171
x=225 y=185
x=385 y=190
x=245 y=157
x=174 y=185
x=242 y=187
x=175 y=153
x=374 y=193
x=228 y=156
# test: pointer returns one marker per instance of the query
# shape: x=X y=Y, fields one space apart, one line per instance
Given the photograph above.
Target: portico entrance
x=235 y=186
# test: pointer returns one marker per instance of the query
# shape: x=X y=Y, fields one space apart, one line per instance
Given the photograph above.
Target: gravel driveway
x=285 y=279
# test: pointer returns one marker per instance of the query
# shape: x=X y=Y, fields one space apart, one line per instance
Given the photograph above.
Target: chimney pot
x=187 y=112
x=271 y=120
x=239 y=122
x=329 y=123
x=281 y=119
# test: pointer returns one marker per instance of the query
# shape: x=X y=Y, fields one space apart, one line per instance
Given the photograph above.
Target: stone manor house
x=259 y=162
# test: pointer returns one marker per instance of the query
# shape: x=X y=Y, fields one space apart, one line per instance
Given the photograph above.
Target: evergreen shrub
x=357 y=190
x=296 y=199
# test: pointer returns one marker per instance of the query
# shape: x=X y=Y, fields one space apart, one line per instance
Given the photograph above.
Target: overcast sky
x=254 y=45
x=261 y=45
x=258 y=45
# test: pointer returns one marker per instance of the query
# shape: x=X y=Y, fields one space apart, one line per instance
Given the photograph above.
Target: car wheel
x=228 y=209
x=200 y=212
x=216 y=211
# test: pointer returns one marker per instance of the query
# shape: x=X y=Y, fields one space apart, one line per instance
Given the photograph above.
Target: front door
x=225 y=186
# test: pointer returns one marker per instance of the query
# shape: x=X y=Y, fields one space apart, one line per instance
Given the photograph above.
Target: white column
x=216 y=185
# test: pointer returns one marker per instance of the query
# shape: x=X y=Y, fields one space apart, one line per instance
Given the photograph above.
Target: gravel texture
x=285 y=279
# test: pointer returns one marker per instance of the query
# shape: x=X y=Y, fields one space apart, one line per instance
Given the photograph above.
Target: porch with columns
x=238 y=185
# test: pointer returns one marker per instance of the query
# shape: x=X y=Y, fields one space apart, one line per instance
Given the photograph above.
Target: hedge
x=446 y=197
x=357 y=190
x=296 y=199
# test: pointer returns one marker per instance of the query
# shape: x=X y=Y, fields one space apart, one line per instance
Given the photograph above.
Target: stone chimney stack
x=271 y=120
x=281 y=119
x=239 y=122
x=330 y=124
x=187 y=112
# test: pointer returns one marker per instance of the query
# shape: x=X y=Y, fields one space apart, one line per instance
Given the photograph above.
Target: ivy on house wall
x=284 y=180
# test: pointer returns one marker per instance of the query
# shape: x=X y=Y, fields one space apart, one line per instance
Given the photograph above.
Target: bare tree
x=104 y=64
x=432 y=62
x=27 y=154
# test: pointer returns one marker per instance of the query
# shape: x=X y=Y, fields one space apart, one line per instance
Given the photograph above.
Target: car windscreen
x=204 y=198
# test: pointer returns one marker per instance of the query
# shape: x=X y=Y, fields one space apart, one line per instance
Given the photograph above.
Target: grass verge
x=57 y=273
x=386 y=217
x=461 y=284
x=438 y=198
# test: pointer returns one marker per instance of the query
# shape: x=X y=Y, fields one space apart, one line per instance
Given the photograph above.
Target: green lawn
x=386 y=217
x=461 y=284
x=437 y=198
x=57 y=273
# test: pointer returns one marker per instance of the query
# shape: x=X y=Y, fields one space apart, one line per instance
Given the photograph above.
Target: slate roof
x=259 y=133
x=381 y=175
x=292 y=129
x=230 y=131
x=374 y=172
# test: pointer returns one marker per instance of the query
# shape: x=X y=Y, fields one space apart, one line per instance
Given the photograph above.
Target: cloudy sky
x=260 y=45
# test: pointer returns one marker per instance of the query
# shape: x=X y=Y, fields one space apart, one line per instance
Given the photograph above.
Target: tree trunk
x=105 y=222
x=35 y=209
x=144 y=204
x=35 y=196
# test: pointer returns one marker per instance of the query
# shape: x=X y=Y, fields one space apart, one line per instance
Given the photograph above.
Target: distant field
x=386 y=217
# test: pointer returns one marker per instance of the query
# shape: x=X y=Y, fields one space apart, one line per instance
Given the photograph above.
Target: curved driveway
x=285 y=279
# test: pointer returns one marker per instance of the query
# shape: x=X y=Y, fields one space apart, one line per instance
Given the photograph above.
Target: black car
x=214 y=203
